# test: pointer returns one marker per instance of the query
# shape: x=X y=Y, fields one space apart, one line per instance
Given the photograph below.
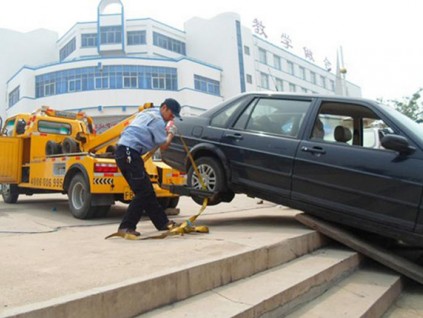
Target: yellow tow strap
x=187 y=226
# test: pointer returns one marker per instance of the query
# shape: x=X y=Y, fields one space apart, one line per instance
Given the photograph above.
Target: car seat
x=342 y=134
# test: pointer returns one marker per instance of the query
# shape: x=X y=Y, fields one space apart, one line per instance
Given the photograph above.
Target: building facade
x=109 y=67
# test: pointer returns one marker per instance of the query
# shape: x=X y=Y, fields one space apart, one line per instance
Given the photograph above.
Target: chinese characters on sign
x=308 y=54
x=259 y=28
x=286 y=40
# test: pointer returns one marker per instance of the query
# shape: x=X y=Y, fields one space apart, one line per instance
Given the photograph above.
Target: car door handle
x=234 y=136
x=314 y=150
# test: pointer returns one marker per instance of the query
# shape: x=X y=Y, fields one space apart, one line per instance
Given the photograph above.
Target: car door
x=348 y=175
x=261 y=144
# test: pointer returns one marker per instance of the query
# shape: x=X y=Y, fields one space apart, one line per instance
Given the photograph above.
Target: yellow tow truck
x=52 y=151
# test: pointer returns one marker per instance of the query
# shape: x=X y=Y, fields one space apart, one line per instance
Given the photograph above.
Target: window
x=304 y=90
x=262 y=56
x=130 y=80
x=158 y=81
x=277 y=62
x=101 y=82
x=278 y=116
x=323 y=81
x=52 y=127
x=292 y=87
x=246 y=50
x=249 y=79
x=332 y=85
x=168 y=43
x=290 y=67
x=264 y=80
x=67 y=49
x=207 y=85
x=107 y=77
x=89 y=40
x=221 y=119
x=351 y=125
x=279 y=85
x=49 y=89
x=14 y=96
x=136 y=37
x=302 y=72
x=313 y=78
x=111 y=34
x=74 y=85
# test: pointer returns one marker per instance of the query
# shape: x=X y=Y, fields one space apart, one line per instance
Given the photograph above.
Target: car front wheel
x=9 y=192
x=213 y=177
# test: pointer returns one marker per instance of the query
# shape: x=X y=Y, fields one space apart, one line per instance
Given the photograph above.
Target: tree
x=410 y=106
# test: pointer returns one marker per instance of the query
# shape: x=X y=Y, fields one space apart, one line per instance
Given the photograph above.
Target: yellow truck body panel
x=10 y=159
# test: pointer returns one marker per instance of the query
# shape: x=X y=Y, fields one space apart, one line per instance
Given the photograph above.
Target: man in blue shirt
x=146 y=131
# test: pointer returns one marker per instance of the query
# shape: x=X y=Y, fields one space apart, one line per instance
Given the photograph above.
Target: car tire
x=214 y=178
x=80 y=198
x=9 y=192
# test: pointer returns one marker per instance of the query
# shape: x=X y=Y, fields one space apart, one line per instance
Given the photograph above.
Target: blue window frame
x=14 y=96
x=111 y=34
x=207 y=85
x=168 y=43
x=136 y=37
x=68 y=49
x=108 y=77
x=89 y=40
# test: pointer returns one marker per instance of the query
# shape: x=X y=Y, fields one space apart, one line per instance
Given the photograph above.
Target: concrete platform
x=48 y=255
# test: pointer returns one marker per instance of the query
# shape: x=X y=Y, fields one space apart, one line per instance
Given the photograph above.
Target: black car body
x=313 y=153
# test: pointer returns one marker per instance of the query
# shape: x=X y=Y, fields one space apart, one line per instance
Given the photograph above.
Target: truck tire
x=9 y=192
x=53 y=148
x=80 y=198
x=69 y=145
x=214 y=178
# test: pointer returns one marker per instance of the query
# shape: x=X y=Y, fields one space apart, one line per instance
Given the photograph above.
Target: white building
x=109 y=67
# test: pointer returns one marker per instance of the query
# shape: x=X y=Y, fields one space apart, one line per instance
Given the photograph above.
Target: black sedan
x=347 y=160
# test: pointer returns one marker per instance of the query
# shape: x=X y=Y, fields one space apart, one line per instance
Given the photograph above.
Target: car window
x=349 y=124
x=221 y=118
x=275 y=116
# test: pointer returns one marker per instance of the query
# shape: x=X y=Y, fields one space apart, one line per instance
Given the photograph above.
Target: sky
x=381 y=40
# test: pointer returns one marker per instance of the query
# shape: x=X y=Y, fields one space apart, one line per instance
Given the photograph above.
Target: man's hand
x=171 y=128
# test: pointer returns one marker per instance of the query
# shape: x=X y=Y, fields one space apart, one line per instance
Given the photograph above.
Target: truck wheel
x=213 y=177
x=53 y=148
x=80 y=198
x=9 y=192
x=69 y=145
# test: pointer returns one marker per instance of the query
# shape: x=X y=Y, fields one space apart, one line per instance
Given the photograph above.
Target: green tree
x=410 y=106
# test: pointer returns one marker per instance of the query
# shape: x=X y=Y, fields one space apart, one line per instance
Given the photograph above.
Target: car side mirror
x=397 y=143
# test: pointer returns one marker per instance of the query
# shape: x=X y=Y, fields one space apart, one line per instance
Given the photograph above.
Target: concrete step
x=368 y=292
x=175 y=283
x=272 y=292
x=409 y=304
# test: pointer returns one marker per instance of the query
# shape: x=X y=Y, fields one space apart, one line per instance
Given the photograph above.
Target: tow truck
x=53 y=151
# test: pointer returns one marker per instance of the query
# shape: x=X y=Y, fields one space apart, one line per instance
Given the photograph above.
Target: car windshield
x=414 y=128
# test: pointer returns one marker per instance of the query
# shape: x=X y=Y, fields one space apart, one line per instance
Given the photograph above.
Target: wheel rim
x=78 y=196
x=5 y=188
x=208 y=175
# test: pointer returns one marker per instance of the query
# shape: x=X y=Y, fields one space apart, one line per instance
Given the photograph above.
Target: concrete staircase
x=302 y=274
x=329 y=282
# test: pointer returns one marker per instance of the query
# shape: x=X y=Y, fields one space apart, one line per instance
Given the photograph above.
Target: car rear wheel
x=213 y=177
x=9 y=193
